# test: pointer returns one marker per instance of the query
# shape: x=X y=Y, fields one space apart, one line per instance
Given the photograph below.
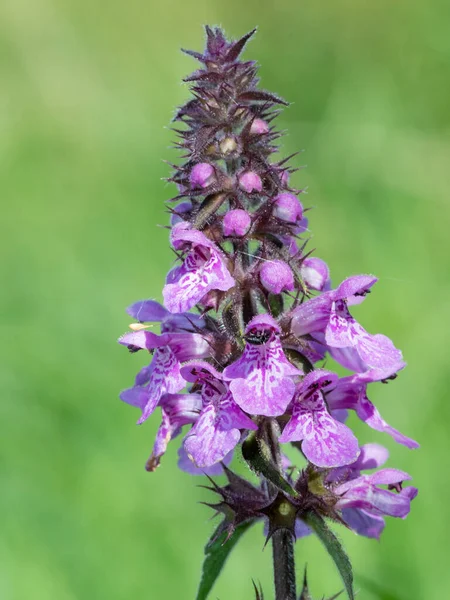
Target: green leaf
x=216 y=553
x=334 y=548
x=256 y=452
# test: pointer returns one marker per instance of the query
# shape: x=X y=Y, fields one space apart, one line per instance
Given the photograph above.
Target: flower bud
x=276 y=276
x=250 y=182
x=259 y=127
x=315 y=273
x=202 y=175
x=236 y=222
x=288 y=208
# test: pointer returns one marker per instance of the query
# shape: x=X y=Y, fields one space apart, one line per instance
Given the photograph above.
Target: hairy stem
x=284 y=565
x=282 y=540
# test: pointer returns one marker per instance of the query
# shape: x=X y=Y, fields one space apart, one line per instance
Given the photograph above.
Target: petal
x=342 y=329
x=147 y=311
x=135 y=396
x=231 y=416
x=367 y=412
x=326 y=442
x=261 y=379
x=388 y=477
x=201 y=272
x=319 y=379
x=371 y=457
x=186 y=345
x=363 y=523
x=143 y=377
x=165 y=378
x=312 y=315
x=146 y=340
x=163 y=437
x=207 y=443
x=378 y=351
x=353 y=289
x=186 y=464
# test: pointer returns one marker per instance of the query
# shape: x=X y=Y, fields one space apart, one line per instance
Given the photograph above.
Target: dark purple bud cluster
x=249 y=317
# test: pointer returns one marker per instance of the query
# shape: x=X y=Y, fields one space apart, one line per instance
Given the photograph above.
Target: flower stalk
x=248 y=321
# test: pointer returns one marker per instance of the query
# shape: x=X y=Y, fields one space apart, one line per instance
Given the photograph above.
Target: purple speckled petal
x=165 y=378
x=208 y=443
x=176 y=410
x=162 y=439
x=363 y=523
x=231 y=416
x=377 y=351
x=261 y=379
x=326 y=442
x=203 y=270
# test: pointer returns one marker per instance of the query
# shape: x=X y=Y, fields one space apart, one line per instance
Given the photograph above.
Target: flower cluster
x=249 y=315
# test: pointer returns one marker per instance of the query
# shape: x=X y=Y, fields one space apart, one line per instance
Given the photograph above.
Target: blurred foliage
x=87 y=90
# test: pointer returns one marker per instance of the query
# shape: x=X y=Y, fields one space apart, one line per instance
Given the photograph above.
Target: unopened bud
x=236 y=222
x=288 y=208
x=259 y=127
x=202 y=175
x=315 y=273
x=250 y=182
x=277 y=276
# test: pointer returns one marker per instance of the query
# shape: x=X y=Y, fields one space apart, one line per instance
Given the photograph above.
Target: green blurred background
x=87 y=91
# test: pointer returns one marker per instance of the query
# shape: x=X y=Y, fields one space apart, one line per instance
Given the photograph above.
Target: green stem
x=284 y=565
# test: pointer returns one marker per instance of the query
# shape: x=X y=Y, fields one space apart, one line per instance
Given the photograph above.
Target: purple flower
x=250 y=182
x=161 y=377
x=203 y=270
x=326 y=442
x=364 y=493
x=329 y=313
x=236 y=222
x=262 y=377
x=217 y=430
x=351 y=393
x=362 y=503
x=177 y=410
x=184 y=345
x=202 y=175
x=276 y=276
